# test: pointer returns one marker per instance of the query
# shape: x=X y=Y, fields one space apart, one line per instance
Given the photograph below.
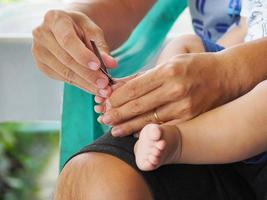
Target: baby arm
x=236 y=34
x=193 y=44
x=230 y=133
x=181 y=45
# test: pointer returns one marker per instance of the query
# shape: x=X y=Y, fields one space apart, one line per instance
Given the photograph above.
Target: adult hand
x=178 y=90
x=61 y=48
x=103 y=103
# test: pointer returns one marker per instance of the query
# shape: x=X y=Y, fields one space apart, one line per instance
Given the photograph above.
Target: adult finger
x=99 y=99
x=138 y=106
x=52 y=74
x=68 y=75
x=180 y=111
x=63 y=28
x=88 y=30
x=128 y=78
x=99 y=108
x=109 y=61
x=118 y=83
x=103 y=107
x=136 y=87
x=47 y=71
x=46 y=38
x=134 y=125
x=121 y=81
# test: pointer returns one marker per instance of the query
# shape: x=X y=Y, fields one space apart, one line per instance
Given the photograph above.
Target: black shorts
x=237 y=181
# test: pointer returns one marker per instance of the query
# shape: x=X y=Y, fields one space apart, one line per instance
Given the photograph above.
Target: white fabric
x=244 y=9
x=256 y=13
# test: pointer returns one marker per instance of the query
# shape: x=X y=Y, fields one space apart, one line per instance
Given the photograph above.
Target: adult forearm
x=117 y=18
x=244 y=65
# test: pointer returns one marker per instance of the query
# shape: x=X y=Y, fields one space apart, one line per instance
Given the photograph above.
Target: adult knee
x=99 y=176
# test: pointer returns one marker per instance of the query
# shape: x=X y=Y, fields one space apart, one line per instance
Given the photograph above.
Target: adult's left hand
x=179 y=90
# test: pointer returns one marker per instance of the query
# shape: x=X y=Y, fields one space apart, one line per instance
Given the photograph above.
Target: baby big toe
x=153 y=131
x=153 y=160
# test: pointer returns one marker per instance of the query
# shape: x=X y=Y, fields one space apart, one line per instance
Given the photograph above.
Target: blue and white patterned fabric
x=212 y=18
x=256 y=13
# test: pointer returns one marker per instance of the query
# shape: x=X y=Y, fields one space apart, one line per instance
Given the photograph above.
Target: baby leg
x=230 y=133
x=157 y=145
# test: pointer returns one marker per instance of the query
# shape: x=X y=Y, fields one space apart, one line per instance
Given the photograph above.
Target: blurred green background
x=24 y=155
x=28 y=152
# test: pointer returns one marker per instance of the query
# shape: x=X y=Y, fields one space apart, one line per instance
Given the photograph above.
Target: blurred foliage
x=23 y=156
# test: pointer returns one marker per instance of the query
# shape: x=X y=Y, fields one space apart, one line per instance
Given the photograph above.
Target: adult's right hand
x=61 y=48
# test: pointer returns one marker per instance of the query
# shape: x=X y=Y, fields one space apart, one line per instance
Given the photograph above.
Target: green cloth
x=79 y=125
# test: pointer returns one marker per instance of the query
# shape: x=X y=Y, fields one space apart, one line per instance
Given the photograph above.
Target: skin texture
x=185 y=87
x=195 y=83
x=200 y=131
x=177 y=46
x=99 y=176
x=181 y=45
x=157 y=145
x=61 y=44
x=108 y=166
x=212 y=136
x=222 y=135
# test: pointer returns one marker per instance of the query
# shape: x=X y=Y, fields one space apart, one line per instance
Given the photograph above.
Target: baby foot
x=156 y=146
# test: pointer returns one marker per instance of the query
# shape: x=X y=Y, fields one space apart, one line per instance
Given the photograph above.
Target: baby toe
x=161 y=144
x=153 y=131
x=155 y=152
x=146 y=166
x=154 y=160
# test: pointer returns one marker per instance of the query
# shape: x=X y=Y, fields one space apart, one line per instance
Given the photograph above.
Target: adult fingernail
x=93 y=65
x=101 y=83
x=106 y=119
x=99 y=119
x=116 y=131
x=103 y=93
x=98 y=109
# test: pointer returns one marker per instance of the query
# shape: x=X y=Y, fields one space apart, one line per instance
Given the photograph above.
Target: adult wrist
x=231 y=76
x=245 y=65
